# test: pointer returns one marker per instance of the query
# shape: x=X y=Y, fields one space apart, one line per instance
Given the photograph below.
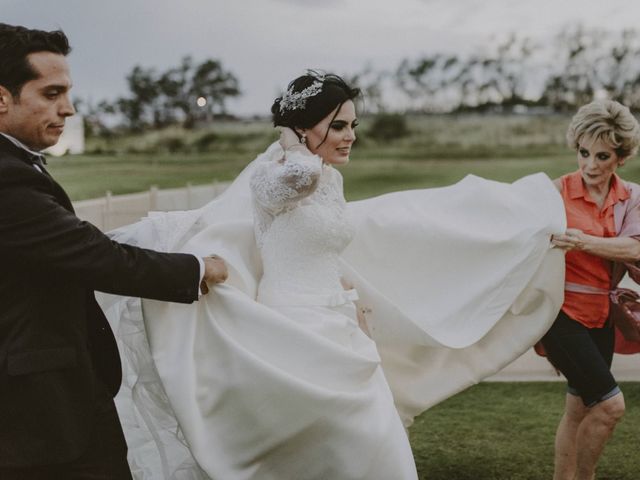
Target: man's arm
x=38 y=232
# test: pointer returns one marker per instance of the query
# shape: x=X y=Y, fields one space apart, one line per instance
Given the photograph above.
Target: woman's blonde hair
x=609 y=122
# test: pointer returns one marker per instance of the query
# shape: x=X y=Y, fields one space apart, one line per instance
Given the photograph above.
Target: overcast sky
x=266 y=43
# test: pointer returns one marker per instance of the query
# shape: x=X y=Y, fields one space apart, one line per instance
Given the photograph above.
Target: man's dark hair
x=334 y=92
x=16 y=43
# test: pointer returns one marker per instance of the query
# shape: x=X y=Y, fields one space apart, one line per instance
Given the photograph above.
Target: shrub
x=388 y=126
x=172 y=144
x=205 y=142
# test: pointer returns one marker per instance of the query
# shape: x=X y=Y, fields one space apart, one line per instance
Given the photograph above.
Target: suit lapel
x=58 y=191
x=22 y=155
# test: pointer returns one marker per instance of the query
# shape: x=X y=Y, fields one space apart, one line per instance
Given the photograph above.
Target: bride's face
x=339 y=132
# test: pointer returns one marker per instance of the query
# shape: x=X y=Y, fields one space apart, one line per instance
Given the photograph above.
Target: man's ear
x=5 y=99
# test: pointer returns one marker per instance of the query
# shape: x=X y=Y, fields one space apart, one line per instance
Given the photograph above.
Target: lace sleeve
x=279 y=183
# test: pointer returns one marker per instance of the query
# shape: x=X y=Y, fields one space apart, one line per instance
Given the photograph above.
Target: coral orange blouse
x=589 y=309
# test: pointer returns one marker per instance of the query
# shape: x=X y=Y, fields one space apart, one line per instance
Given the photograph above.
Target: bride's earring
x=303 y=139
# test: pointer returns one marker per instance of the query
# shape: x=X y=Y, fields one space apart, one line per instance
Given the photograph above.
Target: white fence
x=112 y=212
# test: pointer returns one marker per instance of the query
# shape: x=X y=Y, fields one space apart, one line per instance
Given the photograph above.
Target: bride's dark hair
x=334 y=93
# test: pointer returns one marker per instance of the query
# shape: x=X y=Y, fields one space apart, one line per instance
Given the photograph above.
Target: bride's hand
x=361 y=311
x=362 y=319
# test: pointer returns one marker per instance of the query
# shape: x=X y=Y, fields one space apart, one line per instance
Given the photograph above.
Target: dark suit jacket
x=56 y=347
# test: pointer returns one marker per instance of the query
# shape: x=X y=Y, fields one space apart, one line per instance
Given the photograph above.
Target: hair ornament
x=297 y=100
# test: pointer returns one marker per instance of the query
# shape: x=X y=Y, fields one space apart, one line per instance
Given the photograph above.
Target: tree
x=618 y=70
x=427 y=81
x=183 y=85
x=575 y=79
x=142 y=106
x=498 y=76
x=160 y=99
x=504 y=74
x=216 y=85
x=371 y=84
x=174 y=86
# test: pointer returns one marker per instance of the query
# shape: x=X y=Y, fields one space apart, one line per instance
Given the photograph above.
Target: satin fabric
x=459 y=281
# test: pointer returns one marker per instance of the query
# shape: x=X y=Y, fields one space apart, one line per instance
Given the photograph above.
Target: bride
x=339 y=322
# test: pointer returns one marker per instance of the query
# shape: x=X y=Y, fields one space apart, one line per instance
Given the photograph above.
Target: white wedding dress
x=269 y=377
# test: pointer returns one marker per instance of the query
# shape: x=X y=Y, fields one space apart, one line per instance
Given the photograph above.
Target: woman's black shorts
x=584 y=356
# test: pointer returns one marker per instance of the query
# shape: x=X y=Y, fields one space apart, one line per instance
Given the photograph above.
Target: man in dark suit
x=59 y=364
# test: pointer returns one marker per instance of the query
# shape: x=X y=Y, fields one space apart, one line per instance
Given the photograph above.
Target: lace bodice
x=300 y=226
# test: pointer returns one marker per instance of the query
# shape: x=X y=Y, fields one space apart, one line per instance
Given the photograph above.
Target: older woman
x=602 y=236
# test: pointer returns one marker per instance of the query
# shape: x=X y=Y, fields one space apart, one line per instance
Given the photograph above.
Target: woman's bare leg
x=566 y=438
x=594 y=432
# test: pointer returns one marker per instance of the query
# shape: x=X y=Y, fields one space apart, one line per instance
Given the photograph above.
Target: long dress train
x=269 y=376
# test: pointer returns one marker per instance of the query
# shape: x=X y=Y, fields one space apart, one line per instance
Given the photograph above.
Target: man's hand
x=215 y=271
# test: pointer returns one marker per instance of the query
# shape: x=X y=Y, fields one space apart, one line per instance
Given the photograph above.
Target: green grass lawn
x=505 y=431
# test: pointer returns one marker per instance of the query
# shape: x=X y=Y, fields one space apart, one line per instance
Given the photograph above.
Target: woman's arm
x=279 y=183
x=617 y=249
